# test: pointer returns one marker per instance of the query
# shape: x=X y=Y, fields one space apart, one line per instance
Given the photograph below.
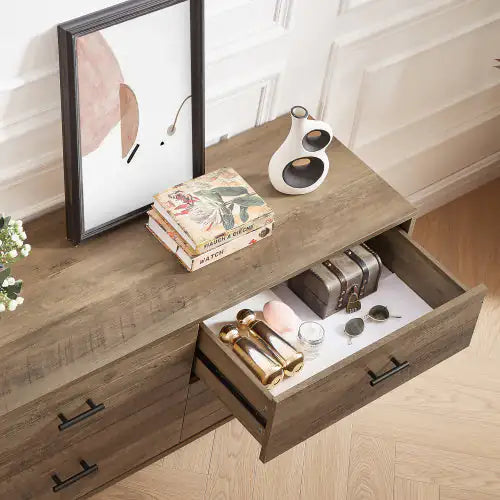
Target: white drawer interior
x=392 y=292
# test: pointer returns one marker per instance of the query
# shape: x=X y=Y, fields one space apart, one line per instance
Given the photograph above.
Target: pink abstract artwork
x=99 y=80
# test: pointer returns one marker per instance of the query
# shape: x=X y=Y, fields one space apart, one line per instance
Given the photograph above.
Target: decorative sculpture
x=300 y=165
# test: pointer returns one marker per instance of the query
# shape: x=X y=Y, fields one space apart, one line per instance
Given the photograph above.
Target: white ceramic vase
x=300 y=165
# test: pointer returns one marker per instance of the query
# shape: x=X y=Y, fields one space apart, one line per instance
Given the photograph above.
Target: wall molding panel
x=39 y=120
x=46 y=164
x=15 y=174
x=326 y=87
x=267 y=102
x=474 y=141
x=348 y=5
x=28 y=144
x=270 y=22
x=283 y=13
x=378 y=18
x=262 y=93
x=479 y=76
x=29 y=98
x=28 y=78
x=355 y=51
x=445 y=122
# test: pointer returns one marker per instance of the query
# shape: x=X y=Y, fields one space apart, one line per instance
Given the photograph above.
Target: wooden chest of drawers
x=108 y=453
x=50 y=436
x=95 y=367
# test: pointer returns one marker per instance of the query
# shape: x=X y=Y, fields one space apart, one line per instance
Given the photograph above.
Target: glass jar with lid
x=310 y=338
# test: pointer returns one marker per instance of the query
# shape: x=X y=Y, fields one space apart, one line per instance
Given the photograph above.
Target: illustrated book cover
x=210 y=210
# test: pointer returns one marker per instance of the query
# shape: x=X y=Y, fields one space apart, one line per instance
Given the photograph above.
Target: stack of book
x=210 y=217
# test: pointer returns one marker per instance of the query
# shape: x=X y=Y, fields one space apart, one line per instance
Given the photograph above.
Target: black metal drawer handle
x=87 y=469
x=65 y=423
x=397 y=368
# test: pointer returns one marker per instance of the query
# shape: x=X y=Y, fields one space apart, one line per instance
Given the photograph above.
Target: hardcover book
x=155 y=216
x=210 y=210
x=192 y=263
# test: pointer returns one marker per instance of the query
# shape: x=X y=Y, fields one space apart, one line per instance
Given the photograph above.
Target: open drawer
x=347 y=376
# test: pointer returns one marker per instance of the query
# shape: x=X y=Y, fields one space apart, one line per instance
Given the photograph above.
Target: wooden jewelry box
x=112 y=362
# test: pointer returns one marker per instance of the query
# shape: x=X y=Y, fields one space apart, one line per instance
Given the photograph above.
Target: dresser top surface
x=89 y=305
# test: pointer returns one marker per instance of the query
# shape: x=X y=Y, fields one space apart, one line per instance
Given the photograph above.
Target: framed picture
x=132 y=98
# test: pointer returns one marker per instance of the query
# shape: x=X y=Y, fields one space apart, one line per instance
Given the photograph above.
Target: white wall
x=412 y=89
x=408 y=84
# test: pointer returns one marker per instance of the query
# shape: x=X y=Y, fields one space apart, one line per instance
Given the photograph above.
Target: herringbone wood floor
x=437 y=437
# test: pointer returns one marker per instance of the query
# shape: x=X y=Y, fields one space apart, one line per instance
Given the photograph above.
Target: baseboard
x=457 y=184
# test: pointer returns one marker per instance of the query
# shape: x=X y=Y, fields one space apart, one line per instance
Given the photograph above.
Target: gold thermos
x=262 y=365
x=289 y=358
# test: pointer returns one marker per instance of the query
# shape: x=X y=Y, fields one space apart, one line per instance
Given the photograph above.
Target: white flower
x=2 y=307
x=20 y=300
x=23 y=235
x=12 y=305
x=5 y=282
x=11 y=222
x=24 y=252
x=15 y=238
x=28 y=247
x=11 y=280
x=19 y=224
x=12 y=254
x=1 y=243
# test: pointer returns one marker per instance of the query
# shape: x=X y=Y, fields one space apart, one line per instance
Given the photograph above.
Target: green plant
x=12 y=248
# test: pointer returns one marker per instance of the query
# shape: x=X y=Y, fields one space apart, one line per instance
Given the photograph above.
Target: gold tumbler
x=289 y=358
x=262 y=365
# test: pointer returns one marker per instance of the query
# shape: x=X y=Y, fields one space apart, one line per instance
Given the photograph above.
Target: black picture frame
x=68 y=33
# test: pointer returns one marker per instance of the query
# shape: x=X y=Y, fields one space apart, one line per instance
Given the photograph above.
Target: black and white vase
x=300 y=165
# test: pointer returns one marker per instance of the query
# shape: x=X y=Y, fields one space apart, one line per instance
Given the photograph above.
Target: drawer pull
x=397 y=368
x=87 y=469
x=65 y=423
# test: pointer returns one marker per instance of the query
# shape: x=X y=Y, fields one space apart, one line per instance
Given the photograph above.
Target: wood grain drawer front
x=113 y=451
x=203 y=410
x=280 y=422
x=32 y=433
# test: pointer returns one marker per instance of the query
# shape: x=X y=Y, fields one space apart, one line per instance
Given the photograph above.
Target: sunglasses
x=356 y=326
x=380 y=313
